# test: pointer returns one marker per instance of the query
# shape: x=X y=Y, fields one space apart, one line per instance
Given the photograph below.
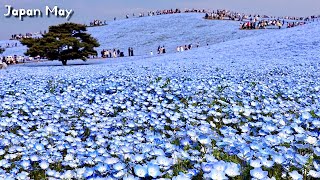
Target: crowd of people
x=225 y=15
x=195 y=11
x=161 y=50
x=259 y=21
x=27 y=35
x=186 y=47
x=166 y=11
x=264 y=24
x=114 y=53
x=97 y=23
x=12 y=59
x=111 y=53
x=9 y=45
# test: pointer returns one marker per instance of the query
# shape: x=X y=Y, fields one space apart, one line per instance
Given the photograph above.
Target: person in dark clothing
x=118 y=52
x=102 y=53
x=129 y=52
x=164 y=50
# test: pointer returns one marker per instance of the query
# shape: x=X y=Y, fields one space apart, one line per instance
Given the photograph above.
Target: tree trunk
x=64 y=62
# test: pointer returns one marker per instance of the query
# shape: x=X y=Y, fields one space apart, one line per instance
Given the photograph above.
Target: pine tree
x=63 y=42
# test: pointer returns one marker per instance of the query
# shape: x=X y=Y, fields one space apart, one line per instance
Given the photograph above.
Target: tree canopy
x=63 y=42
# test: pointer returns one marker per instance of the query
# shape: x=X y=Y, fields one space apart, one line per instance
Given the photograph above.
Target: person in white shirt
x=3 y=65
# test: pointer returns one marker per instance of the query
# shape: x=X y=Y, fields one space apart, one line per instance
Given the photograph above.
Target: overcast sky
x=87 y=10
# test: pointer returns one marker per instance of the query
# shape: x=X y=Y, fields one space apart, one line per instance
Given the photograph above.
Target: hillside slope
x=147 y=33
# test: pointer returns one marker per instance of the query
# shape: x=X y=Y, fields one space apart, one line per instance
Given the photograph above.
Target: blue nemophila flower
x=316 y=165
x=302 y=159
x=44 y=164
x=111 y=160
x=295 y=175
x=25 y=164
x=119 y=174
x=206 y=167
x=50 y=172
x=130 y=177
x=205 y=140
x=182 y=177
x=140 y=171
x=267 y=163
x=258 y=173
x=138 y=157
x=255 y=163
x=80 y=172
x=164 y=161
x=102 y=168
x=219 y=166
x=89 y=172
x=23 y=175
x=39 y=146
x=119 y=166
x=218 y=175
x=232 y=169
x=314 y=174
x=153 y=170
x=69 y=174
x=312 y=140
x=278 y=159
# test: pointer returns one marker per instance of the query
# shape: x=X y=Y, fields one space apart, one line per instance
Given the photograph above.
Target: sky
x=88 y=10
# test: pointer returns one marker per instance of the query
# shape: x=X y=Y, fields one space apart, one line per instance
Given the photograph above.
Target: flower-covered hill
x=242 y=109
x=147 y=33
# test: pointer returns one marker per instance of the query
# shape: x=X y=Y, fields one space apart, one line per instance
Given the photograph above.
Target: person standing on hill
x=114 y=53
x=129 y=52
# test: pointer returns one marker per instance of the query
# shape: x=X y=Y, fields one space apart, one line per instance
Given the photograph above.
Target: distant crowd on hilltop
x=9 y=45
x=27 y=35
x=264 y=24
x=97 y=22
x=236 y=16
x=259 y=21
x=149 y=13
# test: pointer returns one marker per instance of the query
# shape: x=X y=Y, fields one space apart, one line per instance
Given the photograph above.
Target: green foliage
x=176 y=142
x=181 y=166
x=63 y=42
